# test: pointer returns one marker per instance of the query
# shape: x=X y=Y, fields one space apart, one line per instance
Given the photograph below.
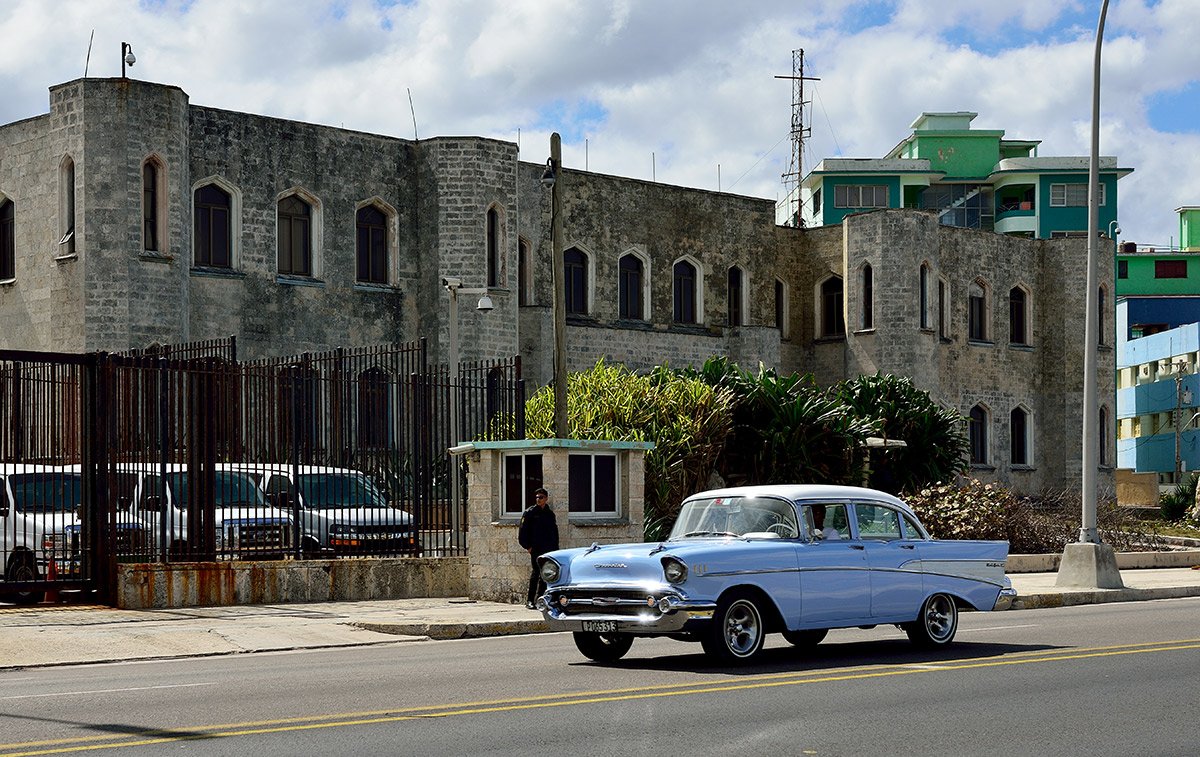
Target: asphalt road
x=1114 y=679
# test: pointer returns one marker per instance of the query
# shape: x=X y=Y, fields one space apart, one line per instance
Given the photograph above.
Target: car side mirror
x=153 y=503
x=4 y=510
x=278 y=500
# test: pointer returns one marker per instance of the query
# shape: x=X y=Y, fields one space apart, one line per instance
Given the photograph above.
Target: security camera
x=484 y=304
x=1117 y=230
x=451 y=282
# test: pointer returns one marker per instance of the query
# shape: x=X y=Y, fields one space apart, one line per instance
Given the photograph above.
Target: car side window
x=826 y=521
x=877 y=521
x=911 y=529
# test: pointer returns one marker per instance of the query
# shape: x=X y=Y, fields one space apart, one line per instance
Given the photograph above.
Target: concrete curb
x=1071 y=597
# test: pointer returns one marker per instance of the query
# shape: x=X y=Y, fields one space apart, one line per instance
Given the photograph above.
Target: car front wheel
x=736 y=632
x=22 y=567
x=603 y=647
x=937 y=623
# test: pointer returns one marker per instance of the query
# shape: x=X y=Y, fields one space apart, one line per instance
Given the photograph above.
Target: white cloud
x=691 y=81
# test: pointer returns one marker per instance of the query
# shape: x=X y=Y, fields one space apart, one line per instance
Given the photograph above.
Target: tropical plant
x=685 y=418
x=936 y=445
x=784 y=428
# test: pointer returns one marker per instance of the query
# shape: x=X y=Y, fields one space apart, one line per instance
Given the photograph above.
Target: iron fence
x=185 y=453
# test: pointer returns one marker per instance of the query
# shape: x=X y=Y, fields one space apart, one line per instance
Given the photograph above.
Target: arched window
x=8 y=240
x=978 y=428
x=374 y=409
x=575 y=270
x=153 y=206
x=943 y=305
x=1104 y=436
x=923 y=294
x=66 y=206
x=372 y=245
x=211 y=237
x=736 y=297
x=524 y=273
x=493 y=247
x=781 y=308
x=295 y=236
x=684 y=278
x=833 y=320
x=1018 y=316
x=1018 y=431
x=630 y=271
x=977 y=312
x=867 y=319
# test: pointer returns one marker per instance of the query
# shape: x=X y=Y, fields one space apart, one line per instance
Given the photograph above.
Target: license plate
x=600 y=626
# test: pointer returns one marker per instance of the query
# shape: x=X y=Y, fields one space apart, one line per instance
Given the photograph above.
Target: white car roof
x=796 y=492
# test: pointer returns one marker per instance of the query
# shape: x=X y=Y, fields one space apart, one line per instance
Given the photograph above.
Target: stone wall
x=145 y=586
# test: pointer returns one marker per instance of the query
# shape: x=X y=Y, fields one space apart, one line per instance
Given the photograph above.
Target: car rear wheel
x=736 y=631
x=807 y=638
x=21 y=567
x=603 y=647
x=937 y=623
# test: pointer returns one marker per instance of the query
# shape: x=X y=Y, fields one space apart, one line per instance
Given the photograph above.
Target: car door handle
x=908 y=546
x=857 y=546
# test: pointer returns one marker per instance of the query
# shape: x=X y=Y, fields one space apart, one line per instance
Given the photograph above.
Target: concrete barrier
x=1125 y=561
x=143 y=586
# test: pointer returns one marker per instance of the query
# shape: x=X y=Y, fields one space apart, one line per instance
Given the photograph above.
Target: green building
x=972 y=178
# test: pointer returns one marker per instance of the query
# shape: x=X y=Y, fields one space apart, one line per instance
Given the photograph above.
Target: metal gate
x=184 y=453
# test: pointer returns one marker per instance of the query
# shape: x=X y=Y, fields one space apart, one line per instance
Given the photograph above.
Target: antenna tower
x=791 y=179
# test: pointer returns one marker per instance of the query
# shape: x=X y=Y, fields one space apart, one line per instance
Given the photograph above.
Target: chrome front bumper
x=670 y=615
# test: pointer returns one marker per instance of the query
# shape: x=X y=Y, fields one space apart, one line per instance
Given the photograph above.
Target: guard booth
x=597 y=492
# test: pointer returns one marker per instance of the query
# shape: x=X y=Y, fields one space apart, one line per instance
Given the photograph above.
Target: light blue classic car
x=795 y=559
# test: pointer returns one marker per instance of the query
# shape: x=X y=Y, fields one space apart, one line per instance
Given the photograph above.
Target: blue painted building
x=1158 y=389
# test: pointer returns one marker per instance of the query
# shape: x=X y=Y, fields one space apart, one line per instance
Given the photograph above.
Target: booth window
x=522 y=476
x=592 y=484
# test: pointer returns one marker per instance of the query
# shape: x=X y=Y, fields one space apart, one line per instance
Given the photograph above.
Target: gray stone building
x=129 y=216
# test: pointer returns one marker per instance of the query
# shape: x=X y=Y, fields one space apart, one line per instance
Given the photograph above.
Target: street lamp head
x=485 y=304
x=550 y=175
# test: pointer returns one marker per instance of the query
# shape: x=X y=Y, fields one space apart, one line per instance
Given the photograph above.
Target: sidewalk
x=70 y=634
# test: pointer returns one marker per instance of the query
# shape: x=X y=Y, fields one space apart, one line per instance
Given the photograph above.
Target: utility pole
x=1182 y=397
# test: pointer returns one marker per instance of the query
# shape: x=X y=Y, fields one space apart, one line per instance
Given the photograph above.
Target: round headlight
x=674 y=570
x=550 y=571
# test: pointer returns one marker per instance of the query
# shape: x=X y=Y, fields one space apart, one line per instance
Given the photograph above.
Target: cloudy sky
x=683 y=91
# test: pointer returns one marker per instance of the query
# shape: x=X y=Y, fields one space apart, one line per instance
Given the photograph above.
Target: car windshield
x=50 y=492
x=230 y=489
x=735 y=516
x=339 y=489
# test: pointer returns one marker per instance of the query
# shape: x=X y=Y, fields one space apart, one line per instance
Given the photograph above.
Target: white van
x=342 y=511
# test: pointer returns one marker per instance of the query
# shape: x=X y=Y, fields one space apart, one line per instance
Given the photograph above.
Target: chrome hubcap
x=742 y=628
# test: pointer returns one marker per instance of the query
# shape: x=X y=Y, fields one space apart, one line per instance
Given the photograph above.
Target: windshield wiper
x=709 y=533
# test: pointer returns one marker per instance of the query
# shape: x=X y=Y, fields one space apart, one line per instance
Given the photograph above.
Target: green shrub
x=1175 y=504
x=685 y=418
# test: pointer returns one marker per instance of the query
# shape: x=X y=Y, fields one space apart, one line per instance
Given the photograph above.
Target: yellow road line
x=773 y=680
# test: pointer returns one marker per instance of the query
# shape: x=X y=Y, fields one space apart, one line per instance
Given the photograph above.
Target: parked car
x=341 y=512
x=741 y=563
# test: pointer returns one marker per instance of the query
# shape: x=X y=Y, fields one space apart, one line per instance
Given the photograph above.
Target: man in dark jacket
x=538 y=535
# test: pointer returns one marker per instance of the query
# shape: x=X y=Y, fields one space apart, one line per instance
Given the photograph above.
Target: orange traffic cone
x=52 y=575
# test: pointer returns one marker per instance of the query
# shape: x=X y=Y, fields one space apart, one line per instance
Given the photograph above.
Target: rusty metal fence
x=183 y=453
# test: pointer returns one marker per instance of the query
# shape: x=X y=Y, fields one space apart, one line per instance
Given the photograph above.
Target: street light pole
x=1088 y=562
